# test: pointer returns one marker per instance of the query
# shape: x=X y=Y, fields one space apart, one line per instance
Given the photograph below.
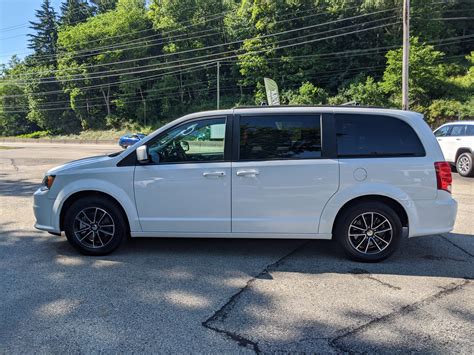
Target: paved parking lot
x=215 y=296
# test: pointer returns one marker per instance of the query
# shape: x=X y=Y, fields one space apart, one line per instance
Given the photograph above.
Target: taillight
x=443 y=175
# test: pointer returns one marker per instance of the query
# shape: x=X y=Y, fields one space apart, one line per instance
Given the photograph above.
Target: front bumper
x=43 y=211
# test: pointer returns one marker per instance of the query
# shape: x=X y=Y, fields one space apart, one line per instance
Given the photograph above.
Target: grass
x=2 y=147
x=95 y=135
x=109 y=134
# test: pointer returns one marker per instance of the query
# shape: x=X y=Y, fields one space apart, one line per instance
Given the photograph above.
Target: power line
x=169 y=40
x=232 y=56
x=328 y=74
x=55 y=78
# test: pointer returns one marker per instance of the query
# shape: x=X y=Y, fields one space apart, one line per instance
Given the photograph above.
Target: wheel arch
x=460 y=151
x=394 y=204
x=88 y=193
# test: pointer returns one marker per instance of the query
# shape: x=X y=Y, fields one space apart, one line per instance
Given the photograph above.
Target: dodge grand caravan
x=364 y=176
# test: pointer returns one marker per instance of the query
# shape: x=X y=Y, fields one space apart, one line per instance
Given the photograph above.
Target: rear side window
x=375 y=136
x=280 y=137
x=470 y=130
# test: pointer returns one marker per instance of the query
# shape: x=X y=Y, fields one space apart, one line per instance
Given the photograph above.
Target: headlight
x=48 y=181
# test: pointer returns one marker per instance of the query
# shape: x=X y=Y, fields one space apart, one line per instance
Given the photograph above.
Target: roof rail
x=351 y=103
x=346 y=105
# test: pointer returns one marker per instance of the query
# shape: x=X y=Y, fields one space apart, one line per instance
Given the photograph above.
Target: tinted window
x=196 y=141
x=280 y=137
x=376 y=136
x=443 y=131
x=457 y=130
x=470 y=130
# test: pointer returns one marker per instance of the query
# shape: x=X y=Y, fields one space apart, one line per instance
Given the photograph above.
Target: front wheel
x=95 y=226
x=369 y=232
x=464 y=165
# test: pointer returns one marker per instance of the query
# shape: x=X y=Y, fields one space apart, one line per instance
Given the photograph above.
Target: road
x=223 y=296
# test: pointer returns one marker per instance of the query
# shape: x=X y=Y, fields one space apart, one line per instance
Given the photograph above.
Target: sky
x=14 y=17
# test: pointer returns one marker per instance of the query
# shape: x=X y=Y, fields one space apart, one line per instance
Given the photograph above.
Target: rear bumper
x=434 y=217
x=43 y=211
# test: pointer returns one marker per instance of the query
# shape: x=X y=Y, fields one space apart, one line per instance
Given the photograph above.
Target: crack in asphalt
x=401 y=311
x=441 y=258
x=222 y=313
x=364 y=274
x=12 y=161
x=457 y=246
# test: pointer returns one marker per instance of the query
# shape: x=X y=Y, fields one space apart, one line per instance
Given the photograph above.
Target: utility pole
x=218 y=84
x=406 y=53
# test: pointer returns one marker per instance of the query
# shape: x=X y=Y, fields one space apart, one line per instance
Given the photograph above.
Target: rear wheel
x=95 y=226
x=369 y=232
x=464 y=165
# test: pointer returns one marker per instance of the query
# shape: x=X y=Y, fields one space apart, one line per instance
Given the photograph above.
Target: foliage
x=35 y=135
x=367 y=93
x=426 y=74
x=442 y=110
x=102 y=6
x=44 y=41
x=74 y=12
x=115 y=64
x=307 y=94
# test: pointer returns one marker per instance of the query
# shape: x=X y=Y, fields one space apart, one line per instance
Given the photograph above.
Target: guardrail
x=57 y=140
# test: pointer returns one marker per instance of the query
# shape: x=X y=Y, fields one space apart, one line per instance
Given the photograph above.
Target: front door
x=281 y=179
x=444 y=140
x=186 y=186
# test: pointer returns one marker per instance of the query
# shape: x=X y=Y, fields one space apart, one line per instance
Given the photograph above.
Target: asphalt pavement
x=223 y=295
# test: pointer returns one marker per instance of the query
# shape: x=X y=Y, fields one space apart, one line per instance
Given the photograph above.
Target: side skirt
x=230 y=235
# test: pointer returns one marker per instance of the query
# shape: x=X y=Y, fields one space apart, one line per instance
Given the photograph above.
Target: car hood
x=90 y=162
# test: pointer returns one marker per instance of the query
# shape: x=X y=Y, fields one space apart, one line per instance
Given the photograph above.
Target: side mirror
x=184 y=145
x=142 y=154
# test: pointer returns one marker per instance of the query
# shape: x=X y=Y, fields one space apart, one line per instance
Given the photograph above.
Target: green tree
x=102 y=6
x=97 y=86
x=188 y=28
x=13 y=102
x=74 y=12
x=426 y=74
x=43 y=41
x=307 y=94
x=368 y=92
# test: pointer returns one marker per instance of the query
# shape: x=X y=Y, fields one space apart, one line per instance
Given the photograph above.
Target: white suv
x=363 y=176
x=457 y=143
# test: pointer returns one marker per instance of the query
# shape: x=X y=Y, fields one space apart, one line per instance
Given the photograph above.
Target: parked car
x=130 y=139
x=366 y=177
x=456 y=140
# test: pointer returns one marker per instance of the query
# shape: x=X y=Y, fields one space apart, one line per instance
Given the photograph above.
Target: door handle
x=213 y=173
x=458 y=139
x=250 y=172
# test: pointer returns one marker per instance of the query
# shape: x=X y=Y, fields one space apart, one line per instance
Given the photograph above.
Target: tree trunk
x=144 y=106
x=181 y=87
x=106 y=99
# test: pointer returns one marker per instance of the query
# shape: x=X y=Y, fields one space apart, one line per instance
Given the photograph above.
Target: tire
x=378 y=238
x=99 y=216
x=464 y=165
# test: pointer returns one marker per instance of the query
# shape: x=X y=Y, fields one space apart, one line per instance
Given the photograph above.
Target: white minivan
x=364 y=176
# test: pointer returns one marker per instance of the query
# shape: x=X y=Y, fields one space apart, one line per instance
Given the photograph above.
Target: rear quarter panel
x=404 y=179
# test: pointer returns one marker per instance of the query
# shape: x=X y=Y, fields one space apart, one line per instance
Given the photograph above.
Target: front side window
x=196 y=141
x=376 y=136
x=280 y=137
x=443 y=131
